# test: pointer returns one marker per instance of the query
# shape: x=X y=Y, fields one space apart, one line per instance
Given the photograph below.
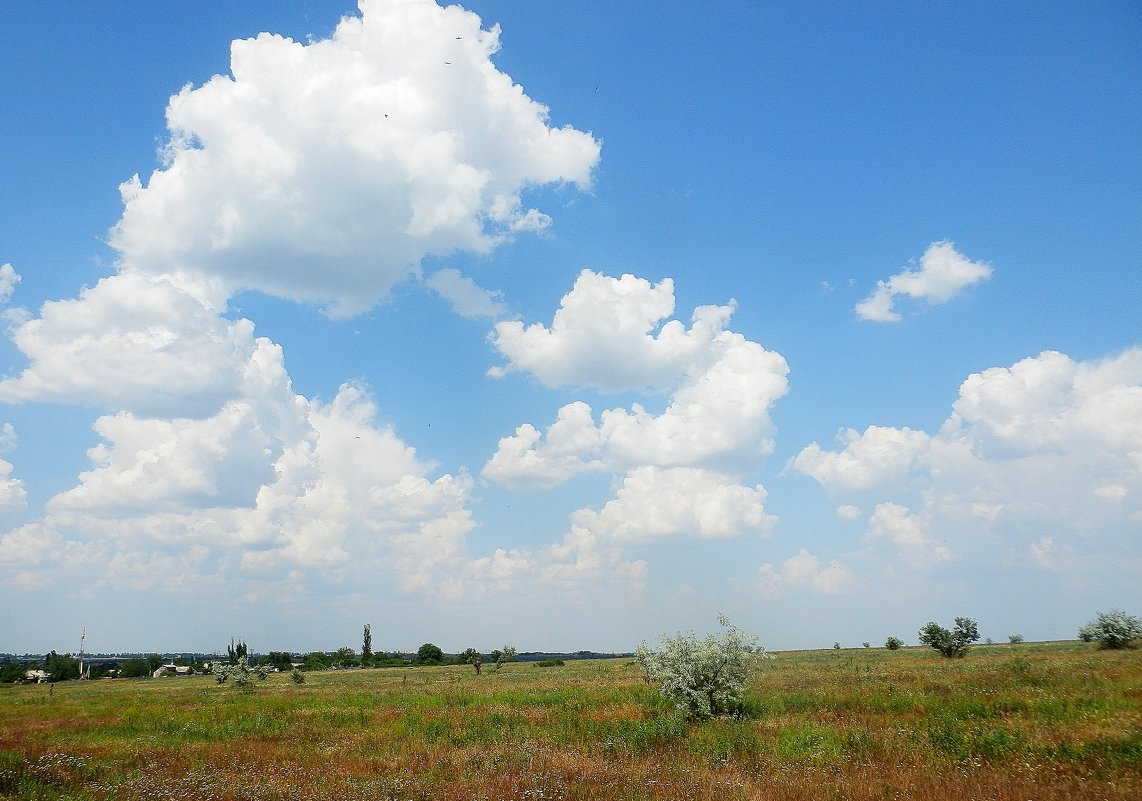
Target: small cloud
x=894 y=523
x=8 y=280
x=803 y=570
x=1111 y=492
x=1042 y=552
x=848 y=512
x=465 y=296
x=944 y=273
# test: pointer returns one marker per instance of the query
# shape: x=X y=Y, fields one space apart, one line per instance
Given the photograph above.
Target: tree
x=134 y=669
x=1015 y=639
x=952 y=644
x=704 y=678
x=1113 y=629
x=11 y=672
x=346 y=657
x=501 y=656
x=893 y=643
x=367 y=645
x=61 y=666
x=472 y=657
x=317 y=660
x=429 y=654
x=278 y=659
x=236 y=652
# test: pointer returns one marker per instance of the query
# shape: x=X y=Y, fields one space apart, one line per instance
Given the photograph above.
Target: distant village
x=53 y=667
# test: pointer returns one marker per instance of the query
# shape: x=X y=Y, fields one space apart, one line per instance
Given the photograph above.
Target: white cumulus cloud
x=654 y=502
x=325 y=171
x=131 y=342
x=608 y=334
x=943 y=273
x=803 y=571
x=1046 y=444
x=720 y=386
x=879 y=454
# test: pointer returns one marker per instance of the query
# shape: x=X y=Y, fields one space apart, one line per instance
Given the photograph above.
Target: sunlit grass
x=1023 y=721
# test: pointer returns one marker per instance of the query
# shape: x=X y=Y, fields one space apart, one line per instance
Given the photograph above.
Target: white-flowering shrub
x=238 y=674
x=705 y=678
x=1113 y=629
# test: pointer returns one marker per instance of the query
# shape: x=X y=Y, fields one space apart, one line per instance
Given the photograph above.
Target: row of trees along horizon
x=1114 y=629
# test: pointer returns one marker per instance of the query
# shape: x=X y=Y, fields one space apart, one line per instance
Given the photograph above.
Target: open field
x=1031 y=721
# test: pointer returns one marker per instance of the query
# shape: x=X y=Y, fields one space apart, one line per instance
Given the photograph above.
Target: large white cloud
x=720 y=386
x=326 y=171
x=679 y=470
x=943 y=273
x=321 y=171
x=263 y=489
x=653 y=503
x=1047 y=450
x=131 y=342
x=867 y=459
x=608 y=334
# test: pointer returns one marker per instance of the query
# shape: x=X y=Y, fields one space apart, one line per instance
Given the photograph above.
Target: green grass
x=1044 y=721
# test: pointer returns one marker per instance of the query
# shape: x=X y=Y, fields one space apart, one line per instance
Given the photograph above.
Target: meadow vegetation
x=1043 y=721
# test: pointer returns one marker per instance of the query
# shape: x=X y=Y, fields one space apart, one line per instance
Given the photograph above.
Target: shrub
x=297 y=676
x=238 y=673
x=893 y=643
x=704 y=678
x=550 y=663
x=952 y=644
x=1015 y=639
x=1113 y=629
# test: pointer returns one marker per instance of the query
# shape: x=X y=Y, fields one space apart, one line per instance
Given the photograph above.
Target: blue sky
x=567 y=326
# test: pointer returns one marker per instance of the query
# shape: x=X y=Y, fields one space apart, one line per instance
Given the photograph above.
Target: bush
x=1015 y=639
x=952 y=644
x=893 y=643
x=550 y=663
x=704 y=678
x=238 y=674
x=297 y=676
x=1113 y=629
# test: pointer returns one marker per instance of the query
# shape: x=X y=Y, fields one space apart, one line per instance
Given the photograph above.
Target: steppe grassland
x=1043 y=721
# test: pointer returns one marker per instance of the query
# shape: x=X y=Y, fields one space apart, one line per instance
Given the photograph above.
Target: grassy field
x=1031 y=721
